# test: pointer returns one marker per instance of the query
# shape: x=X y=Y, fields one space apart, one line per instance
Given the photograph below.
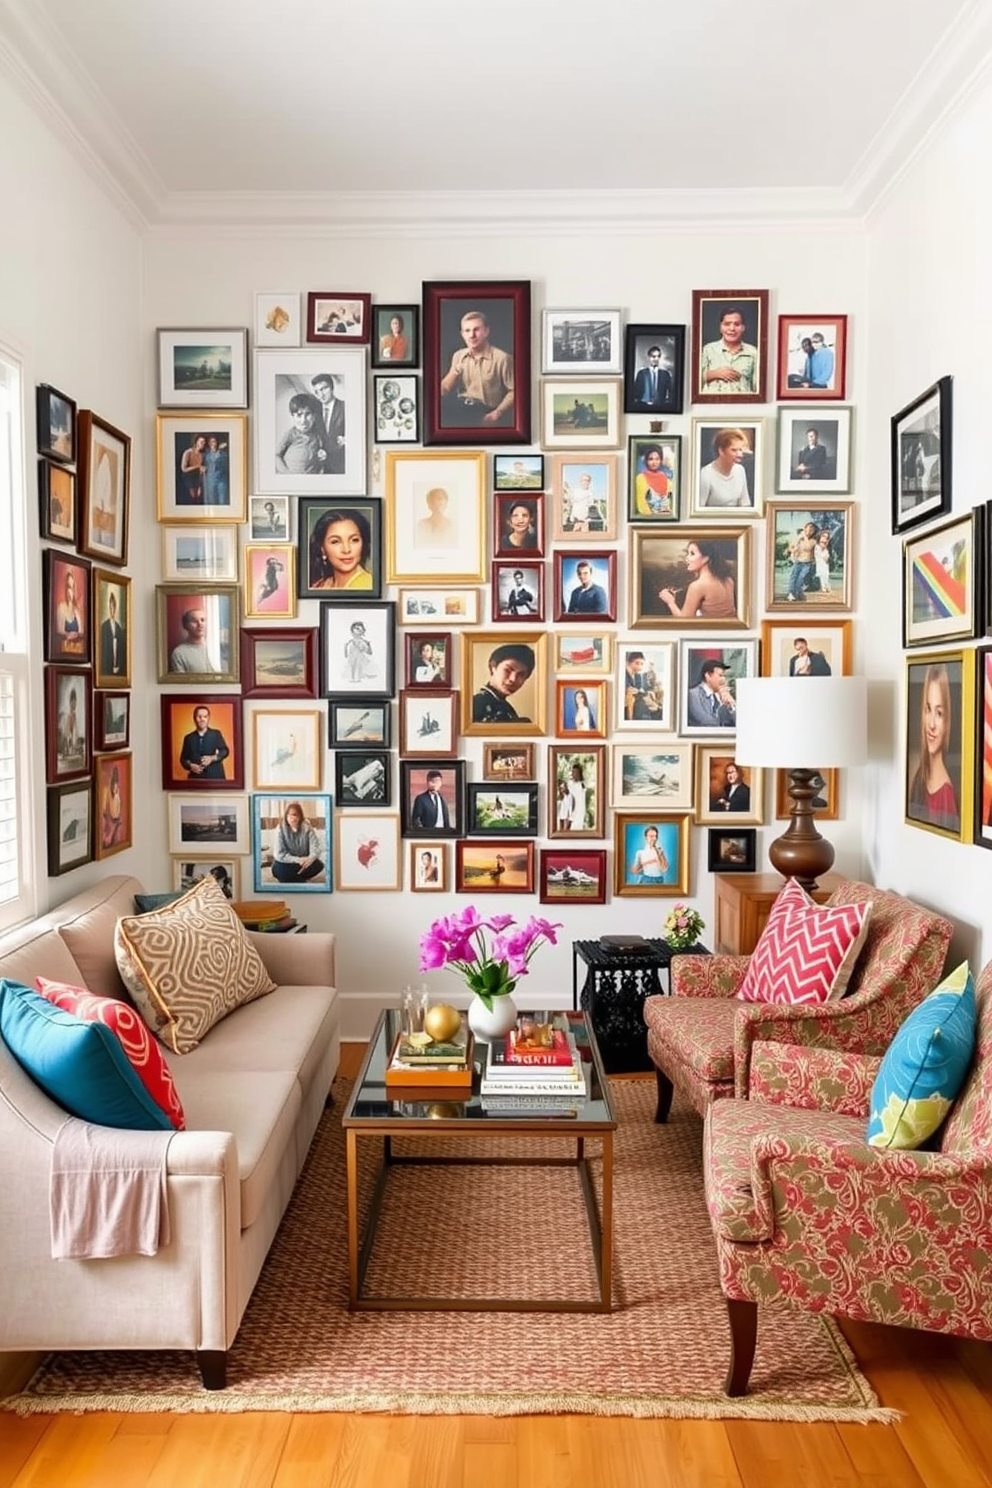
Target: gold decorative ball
x=442 y=1021
x=444 y=1110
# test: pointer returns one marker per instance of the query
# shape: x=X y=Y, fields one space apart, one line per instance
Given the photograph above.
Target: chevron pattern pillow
x=807 y=951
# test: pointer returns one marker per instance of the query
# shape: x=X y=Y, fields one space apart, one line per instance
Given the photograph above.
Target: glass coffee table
x=373 y=1113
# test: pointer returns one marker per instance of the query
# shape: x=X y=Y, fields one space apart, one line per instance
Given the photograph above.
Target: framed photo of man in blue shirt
x=585 y=584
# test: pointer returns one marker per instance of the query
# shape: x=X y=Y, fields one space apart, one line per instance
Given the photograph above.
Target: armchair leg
x=743 y=1319
x=213 y=1368
x=665 y=1092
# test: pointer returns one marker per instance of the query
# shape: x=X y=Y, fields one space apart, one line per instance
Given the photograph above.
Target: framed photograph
x=435 y=520
x=518 y=472
x=496 y=867
x=920 y=458
x=727 y=468
x=518 y=525
x=104 y=488
x=432 y=797
x=729 y=345
x=57 y=501
x=205 y=826
x=812 y=357
x=583 y=497
x=983 y=737
x=652 y=775
x=396 y=336
x=453 y=606
x=518 y=590
x=690 y=577
x=573 y=874
x=576 y=790
x=112 y=720
x=826 y=802
x=112 y=622
x=504 y=682
x=580 y=415
x=508 y=761
x=357 y=723
x=654 y=369
x=291 y=844
x=335 y=316
x=114 y=814
x=268 y=518
x=202 y=463
x=581 y=709
x=428 y=867
x=67 y=583
x=277 y=318
x=645 y=684
x=199 y=554
x=357 y=650
x=70 y=827
x=309 y=422
x=814 y=450
x=588 y=655
x=340 y=546
x=791 y=648
x=201 y=742
x=725 y=790
x=186 y=872
x=286 y=751
x=501 y=810
x=197 y=633
x=279 y=663
x=429 y=722
x=654 y=478
x=577 y=343
x=68 y=723
x=943 y=581
x=585 y=584
x=651 y=854
x=477 y=362
x=809 y=556
x=709 y=671
x=203 y=368
x=367 y=852
x=731 y=849
x=428 y=658
x=362 y=778
x=396 y=404
x=56 y=418
x=270 y=581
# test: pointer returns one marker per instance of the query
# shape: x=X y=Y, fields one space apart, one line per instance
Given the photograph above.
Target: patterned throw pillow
x=925 y=1065
x=143 y=1052
x=189 y=964
x=807 y=951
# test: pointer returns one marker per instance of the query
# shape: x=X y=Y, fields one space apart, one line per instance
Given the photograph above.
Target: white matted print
x=575 y=343
x=286 y=749
x=269 y=517
x=814 y=449
x=434 y=510
x=727 y=476
x=367 y=851
x=310 y=421
x=659 y=775
x=203 y=368
x=192 y=553
x=203 y=826
x=277 y=318
x=453 y=606
x=428 y=867
x=645 y=688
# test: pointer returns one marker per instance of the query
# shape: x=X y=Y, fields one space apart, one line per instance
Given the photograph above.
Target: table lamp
x=803 y=725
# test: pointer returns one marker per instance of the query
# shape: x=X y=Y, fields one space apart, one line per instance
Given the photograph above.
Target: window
x=16 y=895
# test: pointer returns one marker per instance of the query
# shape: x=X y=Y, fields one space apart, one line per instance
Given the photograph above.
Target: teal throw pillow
x=80 y=1064
x=145 y=903
x=925 y=1065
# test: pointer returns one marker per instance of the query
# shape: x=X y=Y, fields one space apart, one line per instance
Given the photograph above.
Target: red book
x=506 y=1051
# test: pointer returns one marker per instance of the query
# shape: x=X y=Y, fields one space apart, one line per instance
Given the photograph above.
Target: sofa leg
x=213 y=1368
x=665 y=1092
x=743 y=1318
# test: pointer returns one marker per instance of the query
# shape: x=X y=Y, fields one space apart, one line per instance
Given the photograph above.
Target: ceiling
x=242 y=107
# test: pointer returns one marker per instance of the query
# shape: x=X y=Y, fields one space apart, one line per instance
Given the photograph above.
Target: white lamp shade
x=801 y=723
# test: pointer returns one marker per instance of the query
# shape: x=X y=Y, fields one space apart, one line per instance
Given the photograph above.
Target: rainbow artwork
x=940 y=584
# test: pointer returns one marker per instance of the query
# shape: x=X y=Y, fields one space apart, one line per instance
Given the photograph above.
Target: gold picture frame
x=665 y=559
x=526 y=714
x=435 y=512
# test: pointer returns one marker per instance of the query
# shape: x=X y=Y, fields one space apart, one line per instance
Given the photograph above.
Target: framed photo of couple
x=202 y=463
x=310 y=421
x=812 y=357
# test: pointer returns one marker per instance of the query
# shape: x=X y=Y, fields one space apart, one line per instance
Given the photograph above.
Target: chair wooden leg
x=665 y=1092
x=743 y=1318
x=213 y=1368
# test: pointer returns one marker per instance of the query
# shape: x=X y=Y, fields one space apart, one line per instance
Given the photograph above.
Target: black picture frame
x=315 y=578
x=352 y=722
x=639 y=338
x=56 y=419
x=920 y=454
x=347 y=673
x=505 y=306
x=495 y=810
x=396 y=408
x=383 y=353
x=69 y=826
x=731 y=849
x=414 y=775
x=362 y=778
x=57 y=502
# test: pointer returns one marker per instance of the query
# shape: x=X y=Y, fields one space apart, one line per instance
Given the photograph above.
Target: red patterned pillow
x=807 y=951
x=143 y=1052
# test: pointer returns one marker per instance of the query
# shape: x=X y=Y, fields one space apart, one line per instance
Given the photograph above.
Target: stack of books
x=529 y=1073
x=441 y=1067
x=263 y=914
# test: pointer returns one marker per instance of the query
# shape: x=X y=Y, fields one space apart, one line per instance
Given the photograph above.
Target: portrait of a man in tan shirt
x=477 y=389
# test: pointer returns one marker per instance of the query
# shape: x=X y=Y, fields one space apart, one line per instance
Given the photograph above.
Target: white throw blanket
x=108 y=1191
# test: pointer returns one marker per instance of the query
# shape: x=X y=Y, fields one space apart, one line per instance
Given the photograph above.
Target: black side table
x=616 y=984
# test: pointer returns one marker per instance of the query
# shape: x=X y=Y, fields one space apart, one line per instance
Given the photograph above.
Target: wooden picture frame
x=654 y=369
x=587 y=655
x=727 y=478
x=725 y=790
x=191 y=553
x=339 y=539
x=363 y=779
x=203 y=368
x=795 y=574
x=189 y=486
x=428 y=867
x=349 y=724
x=339 y=317
x=812 y=357
x=826 y=802
x=395 y=345
x=499 y=695
x=462 y=317
x=111 y=628
x=111 y=720
x=731 y=850
x=55 y=416
x=187 y=872
x=208 y=758
x=309 y=421
x=293 y=876
x=503 y=810
x=585 y=585
x=270 y=581
x=580 y=415
x=674 y=559
x=435 y=521
x=656 y=774
x=654 y=477
x=197 y=633
x=645 y=685
x=113 y=810
x=358 y=650
x=584 y=497
x=279 y=663
x=944 y=581
x=651 y=854
x=729 y=346
x=104 y=488
x=572 y=875
x=940 y=696
x=517 y=591
x=814 y=450
x=396 y=408
x=581 y=709
x=202 y=826
x=57 y=502
x=285 y=749
x=920 y=453
x=696 y=715
x=581 y=343
x=523 y=472
x=826 y=648
x=576 y=790
x=428 y=658
x=982 y=803
x=512 y=536
x=508 y=761
x=429 y=722
x=278 y=321
x=497 y=866
x=421 y=781
x=367 y=854
x=69 y=824
x=426 y=606
x=67 y=585
x=68 y=724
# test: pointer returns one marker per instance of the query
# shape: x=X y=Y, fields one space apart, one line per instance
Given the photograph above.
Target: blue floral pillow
x=925 y=1065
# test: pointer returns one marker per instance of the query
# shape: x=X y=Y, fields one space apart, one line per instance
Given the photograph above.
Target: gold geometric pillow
x=189 y=964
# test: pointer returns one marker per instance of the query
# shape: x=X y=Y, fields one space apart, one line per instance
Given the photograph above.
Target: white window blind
x=16 y=898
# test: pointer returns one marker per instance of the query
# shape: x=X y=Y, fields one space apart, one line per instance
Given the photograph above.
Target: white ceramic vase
x=488 y=1025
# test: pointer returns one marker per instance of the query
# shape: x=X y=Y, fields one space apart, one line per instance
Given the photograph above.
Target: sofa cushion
x=806 y=952
x=925 y=1065
x=78 y=1062
x=189 y=964
x=144 y=1053
x=697 y=1033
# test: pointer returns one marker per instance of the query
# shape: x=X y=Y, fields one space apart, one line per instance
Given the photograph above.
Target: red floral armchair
x=701 y=1038
x=805 y=1212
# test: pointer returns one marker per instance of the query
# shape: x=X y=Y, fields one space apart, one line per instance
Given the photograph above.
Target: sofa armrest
x=296 y=960
x=707 y=976
x=812 y=1079
x=829 y=1025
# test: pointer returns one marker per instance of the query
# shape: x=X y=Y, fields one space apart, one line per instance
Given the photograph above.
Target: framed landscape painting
x=497 y=867
x=70 y=826
x=56 y=420
x=576 y=791
x=652 y=775
x=465 y=321
x=203 y=368
x=206 y=825
x=279 y=663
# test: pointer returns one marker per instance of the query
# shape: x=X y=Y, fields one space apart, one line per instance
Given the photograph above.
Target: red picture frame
x=568 y=580
x=564 y=872
x=67 y=586
x=68 y=723
x=518 y=601
x=507 y=521
x=709 y=307
x=817 y=372
x=178 y=727
x=504 y=306
x=279 y=663
x=338 y=316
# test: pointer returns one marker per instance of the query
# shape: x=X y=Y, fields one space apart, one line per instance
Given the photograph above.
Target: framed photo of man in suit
x=432 y=797
x=654 y=369
x=113 y=628
x=201 y=742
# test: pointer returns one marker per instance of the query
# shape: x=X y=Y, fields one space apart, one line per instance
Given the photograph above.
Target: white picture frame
x=207 y=826
x=833 y=429
x=431 y=606
x=704 y=453
x=581 y=415
x=203 y=368
x=645 y=685
x=278 y=317
x=194 y=554
x=283 y=376
x=656 y=777
x=738 y=658
x=580 y=343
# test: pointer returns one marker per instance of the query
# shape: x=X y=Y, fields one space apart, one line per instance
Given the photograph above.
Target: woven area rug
x=493 y=1231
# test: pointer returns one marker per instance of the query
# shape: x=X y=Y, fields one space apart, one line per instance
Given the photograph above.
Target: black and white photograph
x=396 y=402
x=309 y=421
x=580 y=342
x=362 y=777
x=269 y=517
x=226 y=873
x=518 y=591
x=921 y=458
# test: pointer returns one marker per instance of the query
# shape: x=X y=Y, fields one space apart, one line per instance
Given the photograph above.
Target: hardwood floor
x=944 y=1440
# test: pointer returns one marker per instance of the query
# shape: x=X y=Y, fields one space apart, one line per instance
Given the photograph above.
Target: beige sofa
x=253 y=1092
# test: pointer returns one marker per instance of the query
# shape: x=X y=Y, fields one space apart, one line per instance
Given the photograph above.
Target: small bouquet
x=683 y=927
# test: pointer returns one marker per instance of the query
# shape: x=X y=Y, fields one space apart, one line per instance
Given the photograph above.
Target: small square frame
x=731 y=850
x=278 y=321
x=586 y=655
x=363 y=779
x=431 y=877
x=279 y=663
x=486 y=810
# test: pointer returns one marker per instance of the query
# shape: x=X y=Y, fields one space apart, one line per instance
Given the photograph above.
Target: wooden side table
x=742 y=903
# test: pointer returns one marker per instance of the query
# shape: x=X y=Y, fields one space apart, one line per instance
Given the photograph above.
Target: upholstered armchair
x=701 y=1038
x=804 y=1212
